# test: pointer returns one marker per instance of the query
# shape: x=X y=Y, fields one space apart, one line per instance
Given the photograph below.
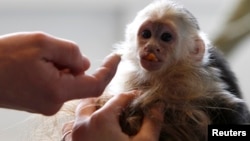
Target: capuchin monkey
x=167 y=57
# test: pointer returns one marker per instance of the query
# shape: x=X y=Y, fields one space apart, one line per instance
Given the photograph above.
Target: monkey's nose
x=152 y=49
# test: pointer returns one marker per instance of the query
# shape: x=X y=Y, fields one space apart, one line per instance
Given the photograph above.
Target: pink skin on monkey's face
x=155 y=41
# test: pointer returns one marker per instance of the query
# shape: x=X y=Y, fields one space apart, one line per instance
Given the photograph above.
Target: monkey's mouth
x=150 y=57
x=150 y=62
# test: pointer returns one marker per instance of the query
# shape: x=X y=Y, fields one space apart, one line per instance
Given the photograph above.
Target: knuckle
x=73 y=49
x=73 y=46
x=98 y=119
x=121 y=96
x=127 y=95
x=39 y=36
x=95 y=119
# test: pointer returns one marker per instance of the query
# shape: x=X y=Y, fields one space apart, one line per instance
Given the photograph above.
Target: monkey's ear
x=198 y=51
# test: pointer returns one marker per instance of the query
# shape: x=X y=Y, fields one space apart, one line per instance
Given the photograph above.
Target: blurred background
x=96 y=25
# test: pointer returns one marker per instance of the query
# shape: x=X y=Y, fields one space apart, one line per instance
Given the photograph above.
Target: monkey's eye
x=166 y=37
x=146 y=34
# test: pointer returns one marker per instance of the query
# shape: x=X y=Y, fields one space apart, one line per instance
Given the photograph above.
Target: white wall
x=95 y=26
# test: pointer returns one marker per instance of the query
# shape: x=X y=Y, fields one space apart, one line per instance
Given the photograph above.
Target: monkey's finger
x=151 y=126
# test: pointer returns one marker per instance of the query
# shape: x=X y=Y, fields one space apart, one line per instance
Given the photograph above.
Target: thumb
x=151 y=126
x=108 y=69
x=84 y=85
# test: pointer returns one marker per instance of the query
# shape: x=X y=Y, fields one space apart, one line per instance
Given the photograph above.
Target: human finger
x=151 y=126
x=83 y=113
x=67 y=126
x=86 y=107
x=82 y=86
x=106 y=72
x=67 y=131
x=63 y=54
x=118 y=102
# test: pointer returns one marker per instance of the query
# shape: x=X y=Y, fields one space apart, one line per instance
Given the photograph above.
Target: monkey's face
x=156 y=42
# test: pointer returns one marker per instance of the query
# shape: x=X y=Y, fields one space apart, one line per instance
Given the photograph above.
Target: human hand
x=103 y=124
x=39 y=72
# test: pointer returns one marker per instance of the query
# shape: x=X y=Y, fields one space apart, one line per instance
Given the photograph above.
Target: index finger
x=119 y=102
x=60 y=52
x=66 y=55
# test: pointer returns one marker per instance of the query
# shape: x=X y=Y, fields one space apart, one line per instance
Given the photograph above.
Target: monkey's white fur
x=128 y=48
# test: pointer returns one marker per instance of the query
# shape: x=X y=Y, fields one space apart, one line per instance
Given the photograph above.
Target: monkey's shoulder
x=218 y=60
